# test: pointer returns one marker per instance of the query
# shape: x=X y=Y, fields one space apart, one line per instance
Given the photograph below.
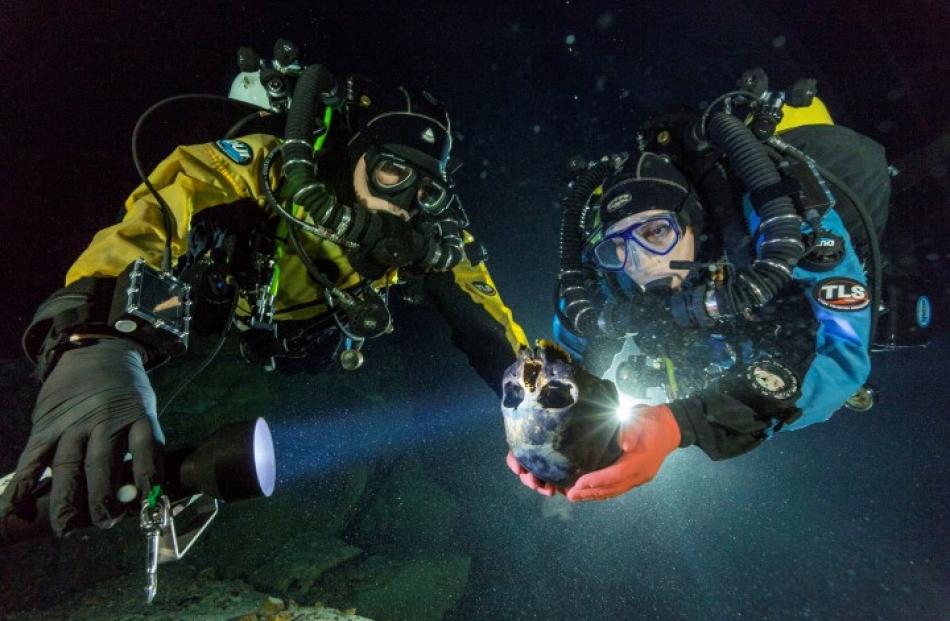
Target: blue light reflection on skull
x=560 y=421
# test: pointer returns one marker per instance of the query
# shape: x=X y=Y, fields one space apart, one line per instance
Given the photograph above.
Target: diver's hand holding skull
x=646 y=440
x=563 y=428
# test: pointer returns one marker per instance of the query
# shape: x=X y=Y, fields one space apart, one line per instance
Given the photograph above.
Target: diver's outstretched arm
x=482 y=326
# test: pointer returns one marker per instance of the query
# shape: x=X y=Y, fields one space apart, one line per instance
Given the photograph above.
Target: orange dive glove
x=646 y=440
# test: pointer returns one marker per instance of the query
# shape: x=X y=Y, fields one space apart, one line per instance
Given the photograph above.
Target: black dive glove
x=645 y=311
x=96 y=405
x=389 y=242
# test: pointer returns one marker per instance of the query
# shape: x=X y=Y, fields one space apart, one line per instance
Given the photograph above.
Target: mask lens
x=389 y=174
x=658 y=235
x=611 y=253
x=431 y=196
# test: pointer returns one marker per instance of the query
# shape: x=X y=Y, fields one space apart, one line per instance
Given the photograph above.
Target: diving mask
x=657 y=235
x=403 y=184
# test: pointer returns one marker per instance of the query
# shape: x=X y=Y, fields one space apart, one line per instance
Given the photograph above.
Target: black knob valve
x=755 y=81
x=286 y=52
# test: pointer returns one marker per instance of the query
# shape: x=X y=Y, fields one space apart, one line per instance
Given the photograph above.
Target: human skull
x=559 y=419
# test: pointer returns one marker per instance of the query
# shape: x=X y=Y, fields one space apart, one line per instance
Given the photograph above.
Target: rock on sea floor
x=183 y=595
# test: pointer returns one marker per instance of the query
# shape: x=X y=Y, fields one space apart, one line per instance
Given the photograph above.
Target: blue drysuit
x=816 y=329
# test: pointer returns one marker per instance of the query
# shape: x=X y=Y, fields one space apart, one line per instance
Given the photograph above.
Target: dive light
x=235 y=463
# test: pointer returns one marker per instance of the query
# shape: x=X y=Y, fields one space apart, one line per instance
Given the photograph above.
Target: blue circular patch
x=924 y=314
x=237 y=151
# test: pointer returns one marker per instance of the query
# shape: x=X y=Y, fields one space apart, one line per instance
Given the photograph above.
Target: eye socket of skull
x=556 y=396
x=513 y=395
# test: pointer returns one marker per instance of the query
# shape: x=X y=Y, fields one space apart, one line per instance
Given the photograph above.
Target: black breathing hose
x=724 y=215
x=571 y=288
x=780 y=228
x=448 y=251
x=347 y=223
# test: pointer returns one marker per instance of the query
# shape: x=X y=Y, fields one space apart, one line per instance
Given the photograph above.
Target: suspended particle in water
x=779 y=42
x=895 y=94
x=570 y=39
x=605 y=20
x=483 y=175
x=601 y=84
x=536 y=129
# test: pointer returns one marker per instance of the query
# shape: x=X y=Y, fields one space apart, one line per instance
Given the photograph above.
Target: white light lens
x=264 y=457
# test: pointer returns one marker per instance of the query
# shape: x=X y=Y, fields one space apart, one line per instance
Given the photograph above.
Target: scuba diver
x=740 y=249
x=297 y=240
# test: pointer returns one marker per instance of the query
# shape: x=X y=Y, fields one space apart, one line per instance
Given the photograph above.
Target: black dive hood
x=419 y=139
x=412 y=126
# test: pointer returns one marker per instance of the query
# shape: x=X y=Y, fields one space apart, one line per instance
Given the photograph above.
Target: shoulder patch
x=237 y=151
x=483 y=287
x=842 y=294
x=769 y=378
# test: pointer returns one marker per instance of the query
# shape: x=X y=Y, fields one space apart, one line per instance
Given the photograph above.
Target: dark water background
x=846 y=520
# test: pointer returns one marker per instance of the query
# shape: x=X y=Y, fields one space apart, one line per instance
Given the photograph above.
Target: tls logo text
x=842 y=294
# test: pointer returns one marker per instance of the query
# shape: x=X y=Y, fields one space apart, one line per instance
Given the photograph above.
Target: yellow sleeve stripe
x=478 y=284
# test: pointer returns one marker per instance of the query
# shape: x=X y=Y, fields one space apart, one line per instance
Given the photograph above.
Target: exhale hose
x=780 y=230
x=345 y=222
x=572 y=291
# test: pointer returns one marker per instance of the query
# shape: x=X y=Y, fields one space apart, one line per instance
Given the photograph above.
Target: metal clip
x=153 y=520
